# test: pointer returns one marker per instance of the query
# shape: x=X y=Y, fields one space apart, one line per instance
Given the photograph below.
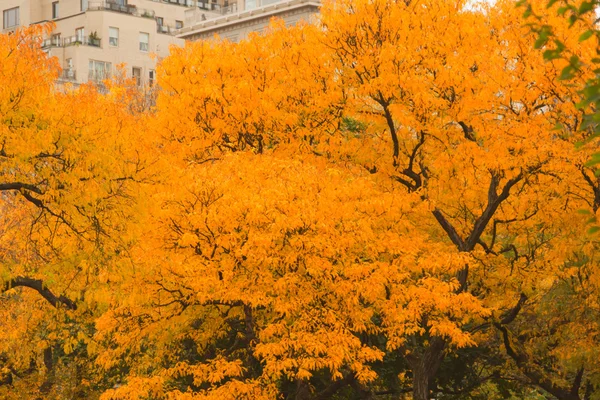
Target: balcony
x=68 y=75
x=217 y=8
x=184 y=3
x=130 y=9
x=165 y=29
x=51 y=42
x=81 y=40
x=72 y=41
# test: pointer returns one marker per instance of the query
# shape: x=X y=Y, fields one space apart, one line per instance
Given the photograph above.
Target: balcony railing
x=125 y=9
x=184 y=3
x=51 y=42
x=71 y=41
x=81 y=40
x=68 y=75
x=231 y=8
x=165 y=29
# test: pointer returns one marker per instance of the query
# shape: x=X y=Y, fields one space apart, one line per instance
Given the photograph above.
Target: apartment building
x=92 y=37
x=234 y=21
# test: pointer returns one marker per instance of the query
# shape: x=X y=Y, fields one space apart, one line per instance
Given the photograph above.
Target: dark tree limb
x=38 y=286
x=20 y=186
x=508 y=317
x=331 y=390
x=468 y=131
x=385 y=104
x=447 y=226
x=512 y=314
x=532 y=371
x=494 y=201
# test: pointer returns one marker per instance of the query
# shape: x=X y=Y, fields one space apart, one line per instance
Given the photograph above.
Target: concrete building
x=234 y=21
x=92 y=37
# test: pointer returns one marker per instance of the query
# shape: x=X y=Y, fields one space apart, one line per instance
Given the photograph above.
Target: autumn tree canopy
x=389 y=204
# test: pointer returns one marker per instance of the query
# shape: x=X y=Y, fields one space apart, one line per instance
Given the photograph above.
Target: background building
x=92 y=37
x=234 y=21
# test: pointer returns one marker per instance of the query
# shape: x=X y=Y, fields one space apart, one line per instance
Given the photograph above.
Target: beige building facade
x=235 y=21
x=92 y=37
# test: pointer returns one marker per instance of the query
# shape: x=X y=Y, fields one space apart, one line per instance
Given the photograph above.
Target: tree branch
x=494 y=201
x=20 y=186
x=447 y=226
x=512 y=314
x=38 y=286
x=531 y=371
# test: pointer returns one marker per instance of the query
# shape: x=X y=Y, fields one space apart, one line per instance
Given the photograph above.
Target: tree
x=457 y=134
x=68 y=172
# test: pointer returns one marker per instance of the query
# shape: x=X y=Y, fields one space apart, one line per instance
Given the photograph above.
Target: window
x=144 y=41
x=69 y=72
x=79 y=35
x=113 y=36
x=151 y=77
x=84 y=5
x=11 y=18
x=99 y=70
x=55 y=39
x=136 y=73
x=55 y=10
x=159 y=21
x=178 y=24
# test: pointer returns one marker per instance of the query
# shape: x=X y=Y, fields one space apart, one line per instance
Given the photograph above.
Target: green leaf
x=567 y=73
x=593 y=229
x=586 y=7
x=550 y=55
x=540 y=42
x=544 y=34
x=586 y=35
x=572 y=19
x=584 y=212
x=594 y=160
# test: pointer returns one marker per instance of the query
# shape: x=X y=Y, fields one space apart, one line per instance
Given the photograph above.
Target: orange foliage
x=326 y=211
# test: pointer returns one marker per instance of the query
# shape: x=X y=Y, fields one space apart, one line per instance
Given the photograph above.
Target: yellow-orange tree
x=476 y=123
x=68 y=176
x=450 y=110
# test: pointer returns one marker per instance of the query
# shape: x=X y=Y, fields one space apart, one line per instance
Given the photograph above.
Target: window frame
x=147 y=43
x=110 y=37
x=80 y=34
x=5 y=18
x=92 y=69
x=151 y=77
x=138 y=77
x=55 y=10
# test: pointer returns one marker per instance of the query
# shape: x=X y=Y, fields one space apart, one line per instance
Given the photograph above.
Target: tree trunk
x=425 y=366
x=420 y=383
